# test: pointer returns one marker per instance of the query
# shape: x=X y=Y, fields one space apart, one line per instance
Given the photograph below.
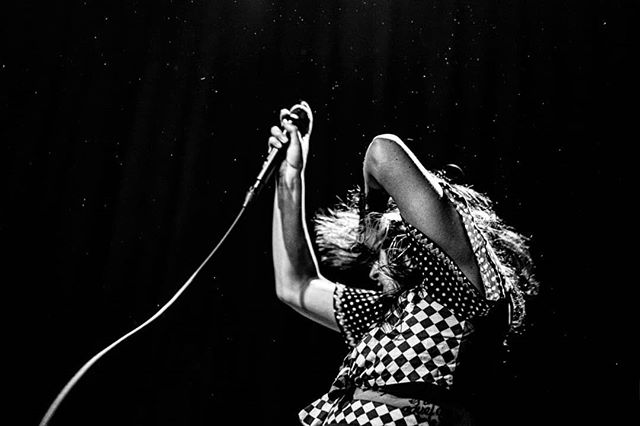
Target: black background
x=132 y=130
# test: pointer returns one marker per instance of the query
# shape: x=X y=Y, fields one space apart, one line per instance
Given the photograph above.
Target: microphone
x=299 y=117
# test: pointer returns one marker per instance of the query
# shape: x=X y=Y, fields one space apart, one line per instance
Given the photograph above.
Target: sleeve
x=357 y=310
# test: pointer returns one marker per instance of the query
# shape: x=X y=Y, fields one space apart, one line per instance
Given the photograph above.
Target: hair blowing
x=349 y=236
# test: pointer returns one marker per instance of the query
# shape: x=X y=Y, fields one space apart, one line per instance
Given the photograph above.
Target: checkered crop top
x=413 y=337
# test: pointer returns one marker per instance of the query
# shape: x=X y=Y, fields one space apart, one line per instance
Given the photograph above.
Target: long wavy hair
x=350 y=237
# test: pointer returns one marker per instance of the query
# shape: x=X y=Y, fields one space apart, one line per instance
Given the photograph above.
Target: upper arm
x=349 y=310
x=314 y=300
x=391 y=167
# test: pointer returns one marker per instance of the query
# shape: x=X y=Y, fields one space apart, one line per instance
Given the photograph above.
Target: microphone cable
x=76 y=377
x=302 y=119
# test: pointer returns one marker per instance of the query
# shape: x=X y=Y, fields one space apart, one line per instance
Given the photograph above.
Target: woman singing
x=450 y=280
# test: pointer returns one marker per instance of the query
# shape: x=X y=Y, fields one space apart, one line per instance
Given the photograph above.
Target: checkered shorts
x=357 y=412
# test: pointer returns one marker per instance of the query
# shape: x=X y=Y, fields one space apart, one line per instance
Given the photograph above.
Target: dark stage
x=132 y=130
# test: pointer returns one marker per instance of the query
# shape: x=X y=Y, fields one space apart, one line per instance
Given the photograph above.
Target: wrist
x=289 y=176
x=292 y=165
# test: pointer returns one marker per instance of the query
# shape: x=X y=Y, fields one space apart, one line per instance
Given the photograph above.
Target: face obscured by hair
x=380 y=272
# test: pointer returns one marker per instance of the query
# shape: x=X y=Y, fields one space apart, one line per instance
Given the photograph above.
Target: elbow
x=290 y=291
x=381 y=150
x=284 y=294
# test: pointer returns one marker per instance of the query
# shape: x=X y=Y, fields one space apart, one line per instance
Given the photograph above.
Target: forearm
x=294 y=263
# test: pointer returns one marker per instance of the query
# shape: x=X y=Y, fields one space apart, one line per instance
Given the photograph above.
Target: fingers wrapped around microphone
x=278 y=138
x=286 y=136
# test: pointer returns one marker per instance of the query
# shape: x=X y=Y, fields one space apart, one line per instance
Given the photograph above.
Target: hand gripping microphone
x=300 y=118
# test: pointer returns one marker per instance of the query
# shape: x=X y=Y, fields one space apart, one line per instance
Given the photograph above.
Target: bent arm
x=391 y=169
x=298 y=280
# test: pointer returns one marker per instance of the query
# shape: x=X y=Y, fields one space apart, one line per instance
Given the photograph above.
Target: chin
x=388 y=286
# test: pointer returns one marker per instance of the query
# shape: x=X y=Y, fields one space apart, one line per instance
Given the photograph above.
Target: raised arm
x=392 y=170
x=298 y=280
